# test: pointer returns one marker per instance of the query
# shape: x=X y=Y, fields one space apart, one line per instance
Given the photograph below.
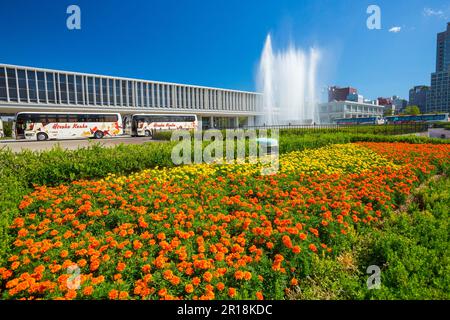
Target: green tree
x=411 y=110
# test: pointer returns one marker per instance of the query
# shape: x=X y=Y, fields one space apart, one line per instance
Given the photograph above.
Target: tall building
x=443 y=50
x=438 y=98
x=341 y=94
x=418 y=97
x=399 y=104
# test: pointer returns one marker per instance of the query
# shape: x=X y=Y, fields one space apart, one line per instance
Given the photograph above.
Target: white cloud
x=395 y=29
x=433 y=13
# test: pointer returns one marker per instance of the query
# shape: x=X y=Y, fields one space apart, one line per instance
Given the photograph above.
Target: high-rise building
x=399 y=104
x=443 y=50
x=438 y=98
x=418 y=97
x=340 y=94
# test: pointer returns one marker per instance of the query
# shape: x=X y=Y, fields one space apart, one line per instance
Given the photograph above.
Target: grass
x=411 y=248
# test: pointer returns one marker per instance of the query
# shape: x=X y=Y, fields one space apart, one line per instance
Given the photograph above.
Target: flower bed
x=207 y=231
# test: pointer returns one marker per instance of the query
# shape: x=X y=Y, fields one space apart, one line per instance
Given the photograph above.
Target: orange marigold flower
x=162 y=292
x=294 y=282
x=239 y=275
x=220 y=286
x=175 y=280
x=128 y=254
x=123 y=295
x=161 y=236
x=312 y=247
x=232 y=292
x=94 y=265
x=71 y=294
x=207 y=276
x=87 y=291
x=113 y=294
x=121 y=266
x=196 y=281
x=189 y=288
x=168 y=274
x=146 y=268
x=259 y=295
x=81 y=263
x=296 y=249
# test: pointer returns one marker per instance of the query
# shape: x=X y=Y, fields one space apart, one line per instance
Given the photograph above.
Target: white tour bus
x=147 y=124
x=66 y=125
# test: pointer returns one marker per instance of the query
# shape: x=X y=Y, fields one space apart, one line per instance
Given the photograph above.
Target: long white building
x=330 y=111
x=36 y=89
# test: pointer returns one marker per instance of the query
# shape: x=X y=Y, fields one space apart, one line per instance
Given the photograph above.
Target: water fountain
x=287 y=80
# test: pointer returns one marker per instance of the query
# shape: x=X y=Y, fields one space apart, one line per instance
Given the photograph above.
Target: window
x=63 y=88
x=146 y=94
x=124 y=93
x=79 y=93
x=50 y=87
x=139 y=95
x=32 y=89
x=71 y=82
x=111 y=118
x=52 y=118
x=72 y=118
x=158 y=95
x=41 y=87
x=98 y=98
x=105 y=91
x=111 y=91
x=23 y=94
x=117 y=88
x=98 y=118
x=90 y=84
x=169 y=96
x=162 y=95
x=130 y=93
x=11 y=73
x=3 y=94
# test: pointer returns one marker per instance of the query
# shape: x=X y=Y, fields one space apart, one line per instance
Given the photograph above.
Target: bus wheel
x=41 y=136
x=98 y=135
x=148 y=133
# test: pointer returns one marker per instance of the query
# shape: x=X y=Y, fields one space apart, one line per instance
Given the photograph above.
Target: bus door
x=19 y=129
x=134 y=126
x=127 y=126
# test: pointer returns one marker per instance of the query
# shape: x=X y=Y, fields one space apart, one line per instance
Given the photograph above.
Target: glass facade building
x=25 y=88
x=438 y=97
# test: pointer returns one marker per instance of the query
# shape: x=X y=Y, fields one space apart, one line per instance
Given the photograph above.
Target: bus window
x=110 y=118
x=72 y=118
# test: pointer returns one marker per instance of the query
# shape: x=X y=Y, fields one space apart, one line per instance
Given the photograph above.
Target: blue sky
x=219 y=42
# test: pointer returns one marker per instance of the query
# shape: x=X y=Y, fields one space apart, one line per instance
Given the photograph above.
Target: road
x=17 y=146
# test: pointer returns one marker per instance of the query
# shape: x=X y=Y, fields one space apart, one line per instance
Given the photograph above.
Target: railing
x=385 y=129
